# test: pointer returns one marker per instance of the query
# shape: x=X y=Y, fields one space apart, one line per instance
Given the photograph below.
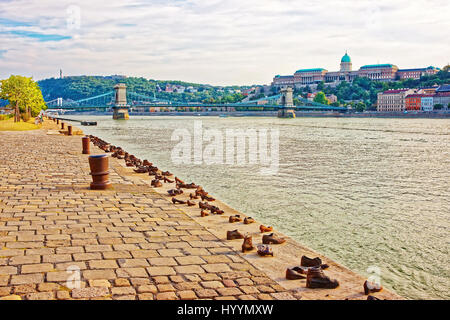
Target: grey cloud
x=225 y=42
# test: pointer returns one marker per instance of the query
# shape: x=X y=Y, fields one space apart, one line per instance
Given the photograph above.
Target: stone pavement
x=127 y=243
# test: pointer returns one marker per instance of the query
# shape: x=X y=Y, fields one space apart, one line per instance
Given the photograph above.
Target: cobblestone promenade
x=128 y=243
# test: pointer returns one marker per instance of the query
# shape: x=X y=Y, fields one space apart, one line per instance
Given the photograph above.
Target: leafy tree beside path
x=23 y=94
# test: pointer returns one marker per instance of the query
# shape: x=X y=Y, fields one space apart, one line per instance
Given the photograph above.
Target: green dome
x=346 y=58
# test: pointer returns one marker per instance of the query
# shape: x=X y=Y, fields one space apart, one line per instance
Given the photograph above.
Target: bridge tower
x=120 y=109
x=287 y=109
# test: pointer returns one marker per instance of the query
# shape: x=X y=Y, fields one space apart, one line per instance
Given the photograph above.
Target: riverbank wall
x=129 y=242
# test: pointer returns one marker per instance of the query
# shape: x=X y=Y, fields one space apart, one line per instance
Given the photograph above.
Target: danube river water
x=364 y=192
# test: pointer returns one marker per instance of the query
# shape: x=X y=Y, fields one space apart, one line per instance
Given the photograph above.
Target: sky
x=229 y=42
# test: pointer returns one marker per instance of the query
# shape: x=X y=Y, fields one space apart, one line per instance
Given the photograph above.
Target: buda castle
x=377 y=72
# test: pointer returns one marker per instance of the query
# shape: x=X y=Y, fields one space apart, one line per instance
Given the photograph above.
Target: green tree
x=23 y=94
x=438 y=106
x=321 y=98
x=360 y=106
x=320 y=86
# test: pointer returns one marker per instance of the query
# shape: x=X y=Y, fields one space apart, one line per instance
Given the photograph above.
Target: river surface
x=364 y=192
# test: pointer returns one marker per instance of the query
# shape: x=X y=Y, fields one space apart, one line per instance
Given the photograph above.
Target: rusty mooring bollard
x=69 y=130
x=86 y=147
x=62 y=125
x=99 y=165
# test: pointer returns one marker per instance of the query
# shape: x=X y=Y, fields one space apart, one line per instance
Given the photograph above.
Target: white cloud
x=222 y=42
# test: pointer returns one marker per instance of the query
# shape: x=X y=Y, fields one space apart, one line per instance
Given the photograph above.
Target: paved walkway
x=128 y=243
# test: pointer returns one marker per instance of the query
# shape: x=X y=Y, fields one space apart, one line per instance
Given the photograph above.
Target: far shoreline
x=299 y=114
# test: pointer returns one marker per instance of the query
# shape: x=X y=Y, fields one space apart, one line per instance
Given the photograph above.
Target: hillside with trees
x=79 y=87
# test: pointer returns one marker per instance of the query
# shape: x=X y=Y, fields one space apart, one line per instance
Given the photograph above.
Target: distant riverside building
x=378 y=72
x=416 y=73
x=393 y=100
x=332 y=98
x=442 y=96
x=416 y=102
x=427 y=103
x=430 y=90
x=423 y=99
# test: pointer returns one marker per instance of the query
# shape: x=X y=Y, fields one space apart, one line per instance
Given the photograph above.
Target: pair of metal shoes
x=312 y=270
x=272 y=239
x=213 y=209
x=263 y=250
x=188 y=202
x=301 y=271
x=267 y=239
x=247 y=220
x=315 y=277
x=174 y=192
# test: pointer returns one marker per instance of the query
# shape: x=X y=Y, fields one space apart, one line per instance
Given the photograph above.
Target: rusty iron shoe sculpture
x=235 y=234
x=263 y=228
x=316 y=278
x=204 y=205
x=178 y=180
x=312 y=262
x=167 y=180
x=272 y=239
x=294 y=273
x=190 y=203
x=141 y=169
x=175 y=200
x=216 y=210
x=192 y=196
x=204 y=213
x=264 y=250
x=248 y=244
x=248 y=220
x=174 y=192
x=207 y=198
x=186 y=185
x=235 y=218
